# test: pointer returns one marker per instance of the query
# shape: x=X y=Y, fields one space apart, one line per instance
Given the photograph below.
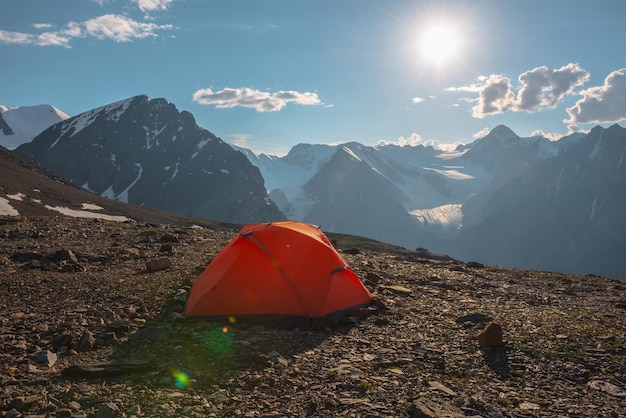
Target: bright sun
x=439 y=43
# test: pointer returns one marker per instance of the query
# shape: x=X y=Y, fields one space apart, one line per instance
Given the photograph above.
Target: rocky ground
x=92 y=326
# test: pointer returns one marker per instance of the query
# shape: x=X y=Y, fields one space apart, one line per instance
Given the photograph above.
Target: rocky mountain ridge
x=144 y=151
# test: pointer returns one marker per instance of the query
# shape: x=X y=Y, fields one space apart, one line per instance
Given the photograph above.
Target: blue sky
x=267 y=75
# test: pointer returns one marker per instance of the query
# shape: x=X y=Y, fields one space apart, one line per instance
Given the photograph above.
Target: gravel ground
x=90 y=328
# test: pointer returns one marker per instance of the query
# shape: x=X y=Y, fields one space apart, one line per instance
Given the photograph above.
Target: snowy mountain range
x=425 y=187
x=501 y=199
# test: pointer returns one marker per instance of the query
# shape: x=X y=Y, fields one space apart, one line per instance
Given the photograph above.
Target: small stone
x=44 y=358
x=12 y=413
x=157 y=264
x=397 y=289
x=441 y=387
x=373 y=278
x=169 y=238
x=529 y=406
x=167 y=248
x=86 y=342
x=108 y=410
x=608 y=387
x=491 y=336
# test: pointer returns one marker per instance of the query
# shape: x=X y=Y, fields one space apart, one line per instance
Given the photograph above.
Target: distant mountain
x=505 y=156
x=565 y=214
x=145 y=152
x=487 y=201
x=350 y=197
x=20 y=124
x=430 y=185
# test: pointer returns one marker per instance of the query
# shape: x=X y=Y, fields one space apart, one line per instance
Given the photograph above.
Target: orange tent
x=276 y=268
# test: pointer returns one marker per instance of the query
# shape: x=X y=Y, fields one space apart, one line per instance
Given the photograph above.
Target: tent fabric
x=276 y=268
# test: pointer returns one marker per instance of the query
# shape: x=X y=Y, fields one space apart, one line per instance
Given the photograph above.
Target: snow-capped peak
x=20 y=124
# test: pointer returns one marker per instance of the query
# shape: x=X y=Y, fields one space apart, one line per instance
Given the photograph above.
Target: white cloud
x=551 y=136
x=241 y=140
x=42 y=25
x=7 y=37
x=115 y=27
x=482 y=133
x=413 y=140
x=542 y=87
x=53 y=39
x=494 y=97
x=417 y=99
x=151 y=5
x=539 y=88
x=606 y=103
x=120 y=28
x=261 y=101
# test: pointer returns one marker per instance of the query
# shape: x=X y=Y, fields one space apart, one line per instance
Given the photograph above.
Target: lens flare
x=181 y=380
x=232 y=319
x=220 y=341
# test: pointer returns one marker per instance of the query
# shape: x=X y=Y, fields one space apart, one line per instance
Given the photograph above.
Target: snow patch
x=351 y=153
x=451 y=174
x=85 y=214
x=91 y=206
x=17 y=196
x=445 y=215
x=123 y=197
x=6 y=209
x=593 y=208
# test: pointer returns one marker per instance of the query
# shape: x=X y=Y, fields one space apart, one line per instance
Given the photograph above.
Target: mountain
x=428 y=184
x=350 y=197
x=145 y=152
x=505 y=156
x=564 y=214
x=20 y=124
x=487 y=201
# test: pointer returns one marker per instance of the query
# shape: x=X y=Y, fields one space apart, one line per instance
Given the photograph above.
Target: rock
x=86 y=342
x=44 y=358
x=167 y=238
x=108 y=410
x=398 y=290
x=156 y=264
x=63 y=340
x=373 y=278
x=12 y=413
x=441 y=387
x=475 y=318
x=426 y=408
x=491 y=336
x=167 y=248
x=529 y=406
x=608 y=387
x=64 y=255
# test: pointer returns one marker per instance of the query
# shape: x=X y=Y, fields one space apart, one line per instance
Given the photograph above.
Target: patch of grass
x=364 y=386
